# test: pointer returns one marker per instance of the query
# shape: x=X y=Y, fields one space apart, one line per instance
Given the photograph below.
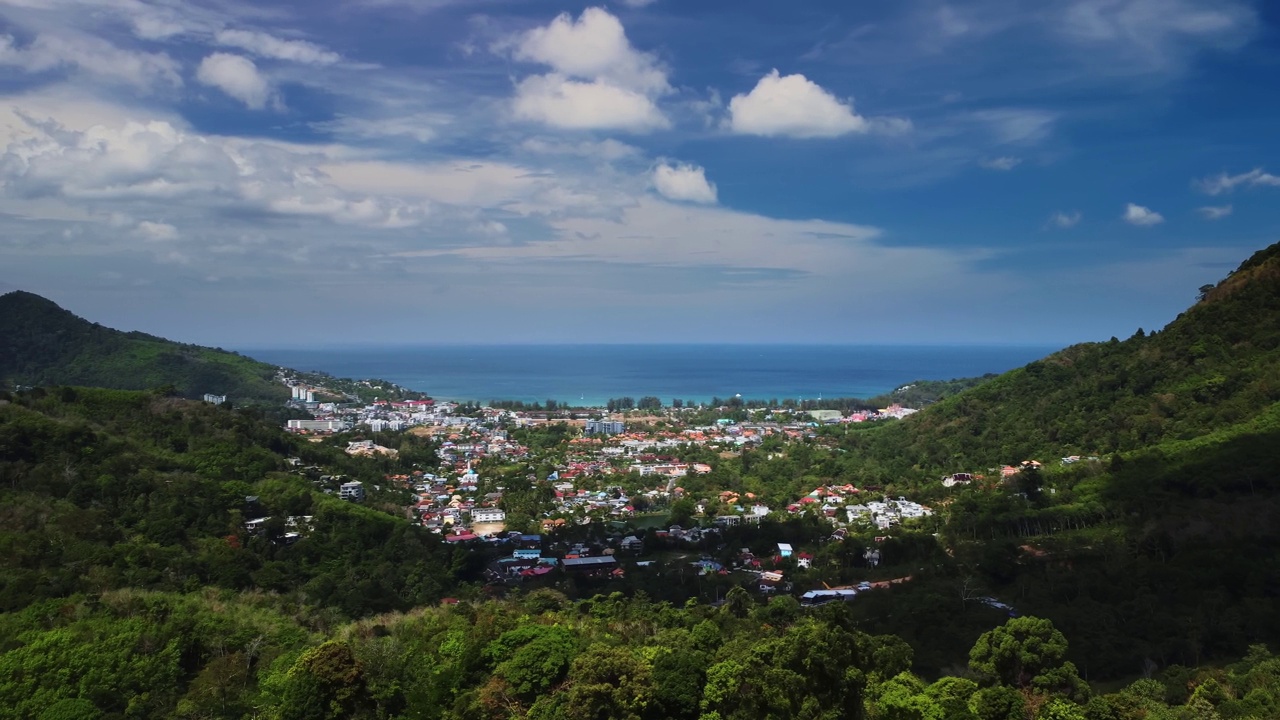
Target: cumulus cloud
x=598 y=79
x=573 y=104
x=1141 y=216
x=269 y=46
x=794 y=106
x=683 y=182
x=1000 y=163
x=1214 y=212
x=236 y=76
x=1224 y=183
x=593 y=46
x=1063 y=220
x=93 y=57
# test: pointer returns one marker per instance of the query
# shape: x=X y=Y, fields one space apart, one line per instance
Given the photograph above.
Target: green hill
x=1215 y=365
x=120 y=489
x=43 y=344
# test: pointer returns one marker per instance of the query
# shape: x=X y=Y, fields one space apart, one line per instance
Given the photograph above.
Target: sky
x=309 y=173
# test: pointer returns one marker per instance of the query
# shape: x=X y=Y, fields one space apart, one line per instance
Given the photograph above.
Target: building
x=822 y=597
x=488 y=515
x=317 y=425
x=215 y=399
x=353 y=491
x=605 y=427
x=589 y=564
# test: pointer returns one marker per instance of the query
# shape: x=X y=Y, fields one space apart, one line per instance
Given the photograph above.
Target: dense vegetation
x=106 y=489
x=42 y=344
x=1216 y=365
x=216 y=654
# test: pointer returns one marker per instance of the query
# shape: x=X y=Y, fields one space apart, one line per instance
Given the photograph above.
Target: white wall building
x=487 y=515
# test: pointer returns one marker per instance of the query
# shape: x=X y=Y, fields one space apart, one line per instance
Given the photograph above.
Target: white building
x=317 y=425
x=215 y=399
x=487 y=515
x=604 y=427
x=353 y=491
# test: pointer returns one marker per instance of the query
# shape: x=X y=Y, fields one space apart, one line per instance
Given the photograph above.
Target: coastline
x=591 y=375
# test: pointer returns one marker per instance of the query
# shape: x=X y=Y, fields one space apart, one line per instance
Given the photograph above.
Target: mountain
x=43 y=344
x=1165 y=547
x=1216 y=365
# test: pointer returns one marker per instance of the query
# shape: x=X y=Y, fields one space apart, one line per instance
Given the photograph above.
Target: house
x=804 y=560
x=631 y=543
x=255 y=526
x=784 y=550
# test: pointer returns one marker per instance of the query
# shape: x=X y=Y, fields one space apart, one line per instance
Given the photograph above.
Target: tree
x=1015 y=653
x=609 y=682
x=326 y=682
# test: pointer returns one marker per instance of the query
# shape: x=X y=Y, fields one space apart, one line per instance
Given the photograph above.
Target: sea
x=590 y=375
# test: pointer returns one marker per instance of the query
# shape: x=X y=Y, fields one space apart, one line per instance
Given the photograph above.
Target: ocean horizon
x=592 y=374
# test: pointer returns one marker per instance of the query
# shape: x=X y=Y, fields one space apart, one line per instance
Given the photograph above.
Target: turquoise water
x=591 y=374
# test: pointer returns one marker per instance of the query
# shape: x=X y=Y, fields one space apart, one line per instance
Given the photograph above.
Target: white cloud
x=269 y=46
x=794 y=106
x=1212 y=212
x=156 y=231
x=1016 y=126
x=595 y=46
x=421 y=127
x=572 y=104
x=683 y=182
x=608 y=150
x=93 y=57
x=1000 y=163
x=1224 y=183
x=153 y=27
x=1141 y=216
x=1154 y=34
x=1063 y=220
x=236 y=76
x=156 y=166
x=598 y=80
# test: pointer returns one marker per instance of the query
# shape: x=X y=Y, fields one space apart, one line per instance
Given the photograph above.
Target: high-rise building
x=605 y=427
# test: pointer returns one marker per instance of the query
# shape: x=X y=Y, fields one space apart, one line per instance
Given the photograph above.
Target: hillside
x=104 y=489
x=43 y=344
x=1215 y=365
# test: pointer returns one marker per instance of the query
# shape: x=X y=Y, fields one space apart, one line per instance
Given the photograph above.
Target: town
x=594 y=494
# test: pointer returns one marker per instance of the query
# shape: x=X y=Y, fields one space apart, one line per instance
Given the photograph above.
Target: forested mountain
x=1216 y=365
x=43 y=344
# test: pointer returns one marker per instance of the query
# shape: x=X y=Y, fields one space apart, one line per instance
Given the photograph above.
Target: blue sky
x=324 y=172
